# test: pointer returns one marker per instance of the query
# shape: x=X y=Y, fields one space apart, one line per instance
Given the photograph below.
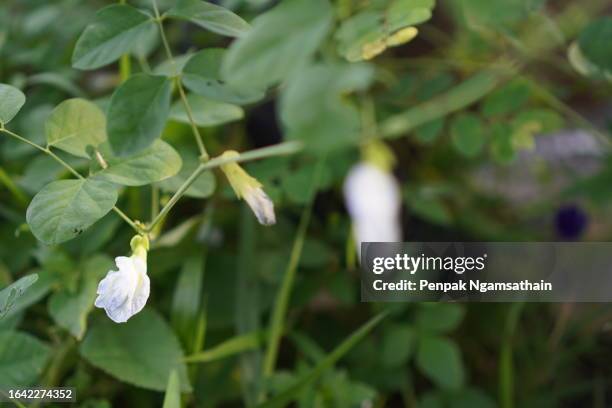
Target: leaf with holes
x=64 y=209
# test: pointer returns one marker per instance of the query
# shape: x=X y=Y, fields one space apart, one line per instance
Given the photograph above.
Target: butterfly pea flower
x=372 y=197
x=249 y=189
x=124 y=292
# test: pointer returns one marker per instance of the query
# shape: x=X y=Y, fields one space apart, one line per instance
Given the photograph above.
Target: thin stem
x=194 y=126
x=68 y=167
x=154 y=201
x=282 y=301
x=125 y=64
x=271 y=151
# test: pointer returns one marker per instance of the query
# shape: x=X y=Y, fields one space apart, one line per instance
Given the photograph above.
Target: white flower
x=124 y=292
x=372 y=198
x=250 y=189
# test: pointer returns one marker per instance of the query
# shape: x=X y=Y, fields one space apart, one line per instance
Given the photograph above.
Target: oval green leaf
x=11 y=102
x=206 y=112
x=22 y=359
x=210 y=17
x=155 y=163
x=440 y=360
x=468 y=135
x=144 y=351
x=280 y=41
x=138 y=112
x=114 y=32
x=64 y=209
x=74 y=125
x=202 y=75
x=11 y=293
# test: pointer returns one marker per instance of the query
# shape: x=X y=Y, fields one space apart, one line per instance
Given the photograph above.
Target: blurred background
x=528 y=162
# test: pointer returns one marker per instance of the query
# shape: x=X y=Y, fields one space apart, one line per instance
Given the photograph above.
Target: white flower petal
x=261 y=205
x=124 y=293
x=372 y=199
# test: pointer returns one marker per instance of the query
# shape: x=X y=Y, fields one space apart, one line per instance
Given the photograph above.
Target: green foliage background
x=120 y=123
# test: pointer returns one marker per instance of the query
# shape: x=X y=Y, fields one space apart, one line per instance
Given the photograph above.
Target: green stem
x=125 y=64
x=68 y=167
x=282 y=300
x=506 y=366
x=12 y=187
x=276 y=150
x=194 y=127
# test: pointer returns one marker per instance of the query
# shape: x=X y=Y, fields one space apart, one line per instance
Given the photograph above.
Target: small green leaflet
x=594 y=44
x=468 y=134
x=64 y=209
x=74 y=125
x=115 y=31
x=202 y=75
x=156 y=163
x=280 y=41
x=210 y=17
x=138 y=112
x=206 y=112
x=11 y=102
x=11 y=293
x=440 y=360
x=144 y=351
x=22 y=359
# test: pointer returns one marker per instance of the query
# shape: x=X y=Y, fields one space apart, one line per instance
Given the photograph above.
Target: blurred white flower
x=372 y=198
x=124 y=292
x=250 y=189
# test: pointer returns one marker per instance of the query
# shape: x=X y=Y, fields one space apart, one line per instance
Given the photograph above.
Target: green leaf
x=11 y=101
x=206 y=112
x=204 y=185
x=468 y=134
x=375 y=27
x=187 y=297
x=397 y=345
x=138 y=112
x=69 y=309
x=594 y=42
x=74 y=125
x=291 y=393
x=22 y=359
x=281 y=40
x=210 y=16
x=439 y=317
x=172 y=399
x=143 y=352
x=315 y=109
x=64 y=209
x=114 y=32
x=11 y=293
x=202 y=75
x=156 y=163
x=35 y=292
x=506 y=99
x=440 y=360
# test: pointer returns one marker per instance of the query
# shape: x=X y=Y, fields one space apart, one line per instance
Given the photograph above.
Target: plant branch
x=276 y=150
x=68 y=167
x=179 y=85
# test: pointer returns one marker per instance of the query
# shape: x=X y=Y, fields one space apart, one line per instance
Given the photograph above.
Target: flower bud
x=250 y=189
